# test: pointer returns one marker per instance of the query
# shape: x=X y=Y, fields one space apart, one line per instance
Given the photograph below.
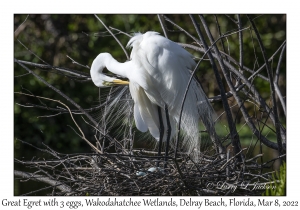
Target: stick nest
x=112 y=174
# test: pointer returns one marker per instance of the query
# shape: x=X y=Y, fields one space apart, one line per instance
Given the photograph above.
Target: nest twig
x=117 y=174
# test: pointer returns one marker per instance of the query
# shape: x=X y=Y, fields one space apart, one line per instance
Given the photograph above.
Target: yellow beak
x=120 y=82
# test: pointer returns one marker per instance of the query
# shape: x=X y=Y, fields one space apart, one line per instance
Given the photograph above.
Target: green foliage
x=278 y=188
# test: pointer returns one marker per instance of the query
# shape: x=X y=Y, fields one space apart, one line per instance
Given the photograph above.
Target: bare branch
x=127 y=56
x=54 y=183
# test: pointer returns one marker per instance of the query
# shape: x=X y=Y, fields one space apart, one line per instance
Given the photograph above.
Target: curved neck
x=106 y=60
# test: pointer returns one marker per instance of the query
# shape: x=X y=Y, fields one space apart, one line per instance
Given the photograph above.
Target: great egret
x=158 y=74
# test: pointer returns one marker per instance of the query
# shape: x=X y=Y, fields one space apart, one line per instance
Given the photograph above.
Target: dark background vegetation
x=51 y=38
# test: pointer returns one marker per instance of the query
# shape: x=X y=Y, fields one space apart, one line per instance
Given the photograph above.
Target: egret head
x=101 y=80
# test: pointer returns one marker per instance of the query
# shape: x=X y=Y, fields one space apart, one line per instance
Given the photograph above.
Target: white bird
x=158 y=73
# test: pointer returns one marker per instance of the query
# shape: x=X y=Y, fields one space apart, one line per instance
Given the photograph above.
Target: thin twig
x=54 y=183
x=272 y=88
x=161 y=21
x=127 y=56
x=63 y=95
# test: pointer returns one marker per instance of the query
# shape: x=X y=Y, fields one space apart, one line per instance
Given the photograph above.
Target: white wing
x=139 y=122
x=146 y=109
x=167 y=64
x=167 y=68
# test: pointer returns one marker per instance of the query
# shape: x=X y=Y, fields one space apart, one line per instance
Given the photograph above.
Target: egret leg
x=161 y=132
x=168 y=135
